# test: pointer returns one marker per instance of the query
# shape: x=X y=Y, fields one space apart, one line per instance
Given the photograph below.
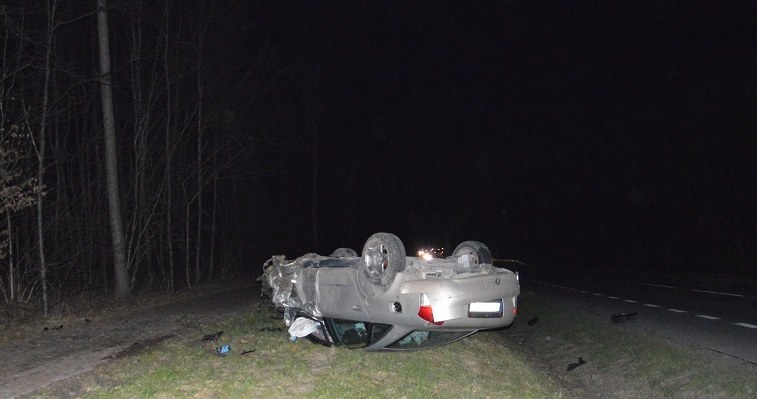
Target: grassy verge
x=623 y=360
x=278 y=368
x=519 y=362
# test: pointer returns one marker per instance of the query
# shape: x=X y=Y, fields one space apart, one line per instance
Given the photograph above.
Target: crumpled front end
x=280 y=277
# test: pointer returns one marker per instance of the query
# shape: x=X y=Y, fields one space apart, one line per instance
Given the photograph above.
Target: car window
x=320 y=336
x=427 y=339
x=358 y=334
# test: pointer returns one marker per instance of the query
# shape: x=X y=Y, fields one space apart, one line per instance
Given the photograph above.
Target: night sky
x=580 y=135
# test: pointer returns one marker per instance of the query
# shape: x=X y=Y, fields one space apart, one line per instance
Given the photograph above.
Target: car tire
x=344 y=253
x=383 y=257
x=478 y=249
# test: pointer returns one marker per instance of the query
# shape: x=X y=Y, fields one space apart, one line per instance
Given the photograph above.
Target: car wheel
x=344 y=253
x=383 y=257
x=480 y=252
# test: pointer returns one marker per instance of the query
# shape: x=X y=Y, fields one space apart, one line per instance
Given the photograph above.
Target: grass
x=187 y=368
x=519 y=362
x=625 y=355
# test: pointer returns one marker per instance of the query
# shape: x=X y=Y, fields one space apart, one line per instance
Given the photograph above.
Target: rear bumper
x=451 y=298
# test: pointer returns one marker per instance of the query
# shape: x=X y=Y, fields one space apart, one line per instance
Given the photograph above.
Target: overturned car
x=385 y=300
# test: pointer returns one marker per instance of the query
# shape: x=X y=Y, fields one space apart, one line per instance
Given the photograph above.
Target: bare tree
x=185 y=132
x=122 y=286
x=168 y=151
x=200 y=127
x=50 y=7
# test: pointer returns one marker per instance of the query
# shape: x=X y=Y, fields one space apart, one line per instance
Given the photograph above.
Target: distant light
x=431 y=253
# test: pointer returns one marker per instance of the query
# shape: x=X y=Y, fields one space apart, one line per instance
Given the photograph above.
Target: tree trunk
x=41 y=158
x=11 y=261
x=213 y=216
x=198 y=273
x=168 y=151
x=186 y=244
x=111 y=160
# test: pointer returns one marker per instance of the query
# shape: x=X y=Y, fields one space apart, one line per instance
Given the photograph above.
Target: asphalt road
x=720 y=321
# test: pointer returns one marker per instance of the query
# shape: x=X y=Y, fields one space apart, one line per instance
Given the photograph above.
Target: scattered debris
x=53 y=328
x=223 y=350
x=246 y=352
x=533 y=321
x=212 y=337
x=302 y=327
x=574 y=365
x=621 y=317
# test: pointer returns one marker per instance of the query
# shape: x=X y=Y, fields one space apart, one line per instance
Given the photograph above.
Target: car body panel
x=336 y=288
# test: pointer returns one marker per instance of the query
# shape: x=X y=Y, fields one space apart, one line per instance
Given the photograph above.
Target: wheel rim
x=377 y=260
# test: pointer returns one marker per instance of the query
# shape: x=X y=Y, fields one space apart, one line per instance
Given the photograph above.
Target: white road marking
x=657 y=285
x=720 y=293
x=651 y=305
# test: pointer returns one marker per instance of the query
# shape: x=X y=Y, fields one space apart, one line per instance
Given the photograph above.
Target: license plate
x=486 y=307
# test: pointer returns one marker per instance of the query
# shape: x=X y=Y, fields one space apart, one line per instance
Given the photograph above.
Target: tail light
x=425 y=312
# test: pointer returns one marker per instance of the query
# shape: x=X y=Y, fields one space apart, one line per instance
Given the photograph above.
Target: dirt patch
x=141 y=346
x=42 y=357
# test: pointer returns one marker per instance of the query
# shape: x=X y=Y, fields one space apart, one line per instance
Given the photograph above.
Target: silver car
x=385 y=300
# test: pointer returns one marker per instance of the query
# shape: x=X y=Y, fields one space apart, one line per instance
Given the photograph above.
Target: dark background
x=589 y=135
x=601 y=137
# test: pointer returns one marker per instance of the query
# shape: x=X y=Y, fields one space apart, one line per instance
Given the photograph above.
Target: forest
x=158 y=145
x=118 y=146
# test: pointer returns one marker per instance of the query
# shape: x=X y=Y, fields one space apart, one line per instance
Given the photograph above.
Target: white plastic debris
x=302 y=327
